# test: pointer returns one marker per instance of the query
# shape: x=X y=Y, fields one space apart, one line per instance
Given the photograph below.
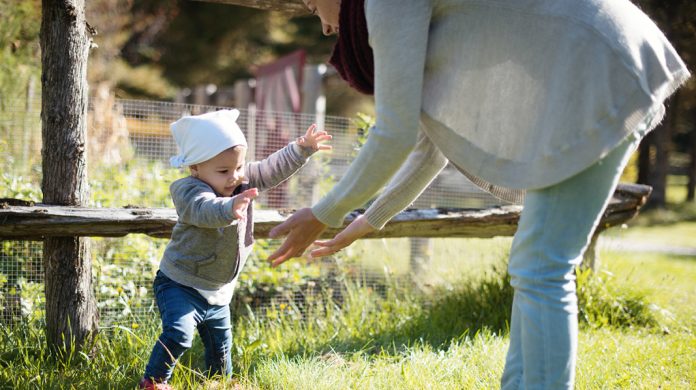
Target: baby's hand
x=241 y=202
x=315 y=139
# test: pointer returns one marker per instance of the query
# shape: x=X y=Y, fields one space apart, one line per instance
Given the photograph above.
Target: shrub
x=604 y=302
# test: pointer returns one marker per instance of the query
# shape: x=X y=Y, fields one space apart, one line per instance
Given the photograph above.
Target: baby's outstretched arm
x=282 y=164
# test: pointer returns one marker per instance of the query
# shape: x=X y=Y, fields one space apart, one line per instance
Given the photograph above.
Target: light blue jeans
x=183 y=310
x=554 y=231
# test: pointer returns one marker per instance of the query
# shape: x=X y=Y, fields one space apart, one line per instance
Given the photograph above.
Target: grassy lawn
x=669 y=280
x=609 y=357
x=643 y=358
x=678 y=234
x=673 y=226
x=633 y=359
x=448 y=333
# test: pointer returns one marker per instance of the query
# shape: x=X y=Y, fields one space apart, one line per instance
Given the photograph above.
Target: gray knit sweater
x=521 y=94
x=209 y=246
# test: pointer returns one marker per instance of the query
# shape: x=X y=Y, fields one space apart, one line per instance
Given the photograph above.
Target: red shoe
x=148 y=384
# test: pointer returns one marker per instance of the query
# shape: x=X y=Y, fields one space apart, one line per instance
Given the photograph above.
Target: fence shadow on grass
x=464 y=311
x=452 y=315
x=445 y=316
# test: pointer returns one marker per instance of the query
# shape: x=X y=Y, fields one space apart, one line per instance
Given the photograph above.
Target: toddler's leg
x=180 y=310
x=216 y=334
x=554 y=230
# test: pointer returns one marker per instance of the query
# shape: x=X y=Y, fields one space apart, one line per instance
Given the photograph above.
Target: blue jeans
x=554 y=231
x=182 y=310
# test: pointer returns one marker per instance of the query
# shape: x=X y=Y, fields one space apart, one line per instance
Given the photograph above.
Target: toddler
x=213 y=235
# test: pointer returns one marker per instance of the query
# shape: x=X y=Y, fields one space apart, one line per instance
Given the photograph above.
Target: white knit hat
x=202 y=137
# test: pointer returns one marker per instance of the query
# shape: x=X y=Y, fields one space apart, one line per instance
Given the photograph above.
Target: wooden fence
x=25 y=221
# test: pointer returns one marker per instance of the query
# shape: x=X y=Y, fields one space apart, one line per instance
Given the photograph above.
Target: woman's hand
x=302 y=228
x=240 y=204
x=358 y=228
x=315 y=139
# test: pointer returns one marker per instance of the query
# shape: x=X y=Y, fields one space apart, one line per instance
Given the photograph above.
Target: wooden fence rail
x=39 y=221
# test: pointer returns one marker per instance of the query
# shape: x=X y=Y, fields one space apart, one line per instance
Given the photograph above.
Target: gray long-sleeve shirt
x=209 y=246
x=521 y=94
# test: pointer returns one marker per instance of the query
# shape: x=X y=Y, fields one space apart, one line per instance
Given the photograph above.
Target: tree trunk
x=653 y=165
x=644 y=157
x=648 y=164
x=659 y=178
x=653 y=161
x=71 y=314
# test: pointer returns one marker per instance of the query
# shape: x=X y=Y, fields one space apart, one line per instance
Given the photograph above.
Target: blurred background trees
x=150 y=47
x=20 y=55
x=670 y=150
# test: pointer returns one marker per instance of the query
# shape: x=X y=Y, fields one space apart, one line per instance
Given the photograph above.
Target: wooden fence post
x=420 y=255
x=27 y=121
x=71 y=311
x=590 y=259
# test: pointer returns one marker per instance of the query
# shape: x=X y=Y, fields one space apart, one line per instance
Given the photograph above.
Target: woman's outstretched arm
x=399 y=45
x=410 y=181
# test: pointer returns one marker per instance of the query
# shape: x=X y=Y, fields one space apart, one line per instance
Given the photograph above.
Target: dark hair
x=352 y=54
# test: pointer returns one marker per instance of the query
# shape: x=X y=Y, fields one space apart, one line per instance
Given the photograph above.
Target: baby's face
x=224 y=172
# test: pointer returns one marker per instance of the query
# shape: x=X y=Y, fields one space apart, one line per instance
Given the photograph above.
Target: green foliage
x=363 y=123
x=167 y=37
x=123 y=270
x=140 y=182
x=259 y=283
x=468 y=309
x=142 y=81
x=21 y=276
x=20 y=157
x=19 y=46
x=19 y=187
x=604 y=303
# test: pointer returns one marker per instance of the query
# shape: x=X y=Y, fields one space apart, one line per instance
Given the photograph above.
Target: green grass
x=678 y=234
x=448 y=334
x=471 y=363
x=670 y=279
x=634 y=359
x=611 y=356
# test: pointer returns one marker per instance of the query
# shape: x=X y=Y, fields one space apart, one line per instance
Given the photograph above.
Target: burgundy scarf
x=352 y=54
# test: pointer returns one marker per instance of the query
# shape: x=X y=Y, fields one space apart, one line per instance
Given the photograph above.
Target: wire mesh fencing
x=128 y=149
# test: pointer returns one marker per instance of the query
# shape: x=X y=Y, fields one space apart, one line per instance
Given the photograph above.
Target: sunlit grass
x=678 y=234
x=670 y=279
x=636 y=359
x=448 y=335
